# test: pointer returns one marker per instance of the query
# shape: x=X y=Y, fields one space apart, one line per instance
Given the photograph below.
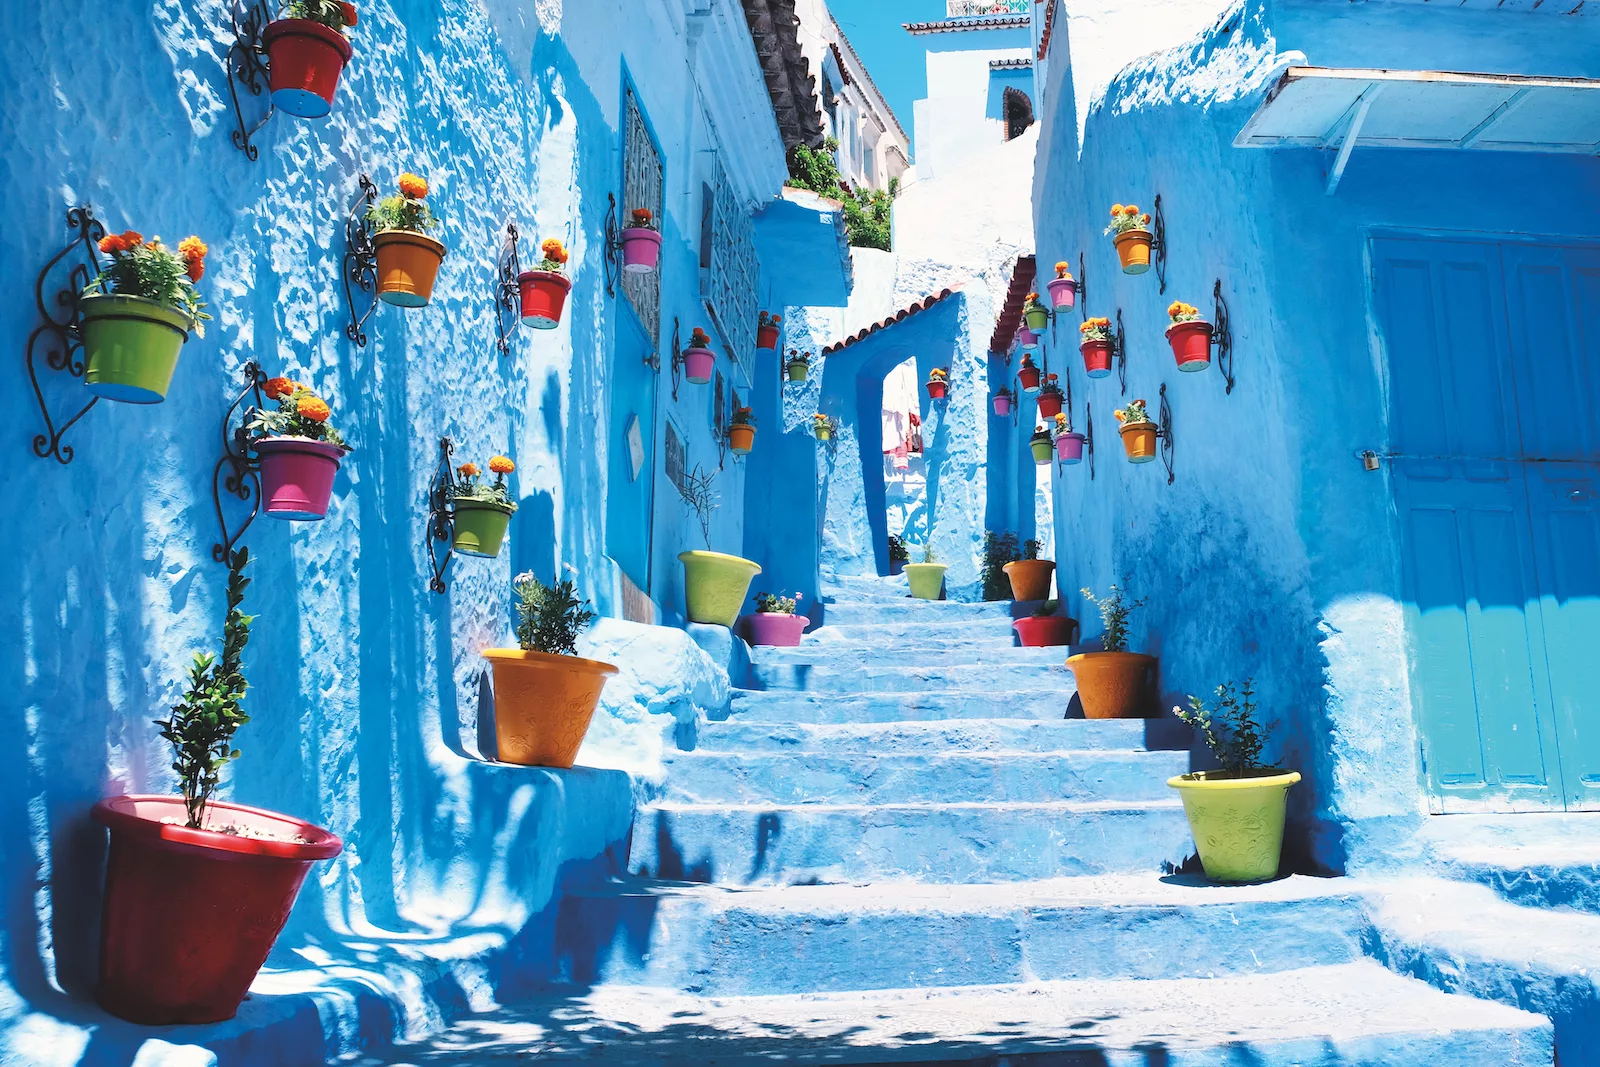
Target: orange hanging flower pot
x=1133 y=249
x=1139 y=441
x=408 y=265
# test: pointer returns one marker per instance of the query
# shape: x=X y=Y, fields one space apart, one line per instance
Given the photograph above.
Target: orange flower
x=413 y=186
x=278 y=388
x=1130 y=210
x=1175 y=308
x=776 y=319
x=1145 y=220
x=468 y=470
x=501 y=465
x=192 y=247
x=312 y=407
x=196 y=269
x=641 y=216
x=132 y=238
x=348 y=11
x=699 y=339
x=1033 y=298
x=1116 y=209
x=554 y=250
x=113 y=243
x=1062 y=271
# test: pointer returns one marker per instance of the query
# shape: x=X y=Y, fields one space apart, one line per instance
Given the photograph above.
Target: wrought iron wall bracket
x=1088 y=434
x=677 y=359
x=248 y=66
x=1164 y=433
x=243 y=472
x=1083 y=288
x=441 y=517
x=507 y=293
x=1158 y=250
x=360 y=264
x=1119 y=352
x=613 y=249
x=1222 y=336
x=58 y=337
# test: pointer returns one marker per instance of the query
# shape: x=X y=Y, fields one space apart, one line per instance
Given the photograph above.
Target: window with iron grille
x=730 y=285
x=641 y=187
x=675 y=456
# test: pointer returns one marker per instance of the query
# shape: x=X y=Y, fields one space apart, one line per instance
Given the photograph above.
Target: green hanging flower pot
x=131 y=347
x=480 y=527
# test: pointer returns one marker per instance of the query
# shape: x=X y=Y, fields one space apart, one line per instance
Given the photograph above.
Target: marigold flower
x=413 y=186
x=1130 y=210
x=1116 y=209
x=348 y=11
x=642 y=216
x=112 y=243
x=196 y=269
x=1033 y=298
x=278 y=388
x=192 y=247
x=776 y=319
x=468 y=470
x=501 y=465
x=312 y=407
x=1061 y=421
x=133 y=238
x=699 y=339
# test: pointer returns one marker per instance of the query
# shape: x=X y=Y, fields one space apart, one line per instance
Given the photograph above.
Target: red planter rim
x=141 y=815
x=527 y=277
x=307 y=28
x=1192 y=324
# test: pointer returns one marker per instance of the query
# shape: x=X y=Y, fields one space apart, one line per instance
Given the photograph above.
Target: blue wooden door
x=1498 y=538
x=630 y=465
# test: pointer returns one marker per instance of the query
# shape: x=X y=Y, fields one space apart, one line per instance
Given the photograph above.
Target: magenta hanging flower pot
x=297 y=476
x=777 y=629
x=1027 y=339
x=1191 y=344
x=1069 y=447
x=641 y=250
x=1096 y=358
x=699 y=364
x=1063 y=292
x=1002 y=405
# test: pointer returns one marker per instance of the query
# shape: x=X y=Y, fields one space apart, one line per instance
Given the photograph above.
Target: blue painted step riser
x=781 y=707
x=787 y=846
x=699 y=948
x=839 y=655
x=911 y=679
x=910 y=633
x=883 y=779
x=908 y=609
x=944 y=738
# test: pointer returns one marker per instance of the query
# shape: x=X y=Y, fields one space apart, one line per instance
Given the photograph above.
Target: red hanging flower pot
x=937 y=388
x=306 y=59
x=1050 y=398
x=544 y=297
x=767 y=328
x=1028 y=375
x=1191 y=343
x=1096 y=358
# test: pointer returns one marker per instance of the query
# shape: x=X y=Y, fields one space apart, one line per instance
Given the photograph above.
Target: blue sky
x=894 y=57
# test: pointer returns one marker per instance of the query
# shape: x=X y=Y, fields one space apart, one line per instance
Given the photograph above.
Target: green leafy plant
x=998 y=550
x=406 y=210
x=1125 y=217
x=927 y=552
x=549 y=617
x=467 y=485
x=868 y=213
x=202 y=725
x=1229 y=728
x=1045 y=610
x=1031 y=548
x=1051 y=386
x=333 y=14
x=697 y=490
x=300 y=413
x=743 y=417
x=777 y=603
x=897 y=549
x=152 y=271
x=1115 y=607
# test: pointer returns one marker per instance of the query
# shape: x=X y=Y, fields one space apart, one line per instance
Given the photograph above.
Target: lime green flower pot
x=926 y=579
x=1237 y=821
x=715 y=586
x=1038 y=319
x=1041 y=450
x=130 y=347
x=798 y=371
x=480 y=527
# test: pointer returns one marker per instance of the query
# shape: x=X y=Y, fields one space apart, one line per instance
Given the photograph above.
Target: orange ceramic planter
x=1133 y=249
x=1112 y=685
x=1030 y=578
x=742 y=439
x=1139 y=441
x=408 y=264
x=543 y=704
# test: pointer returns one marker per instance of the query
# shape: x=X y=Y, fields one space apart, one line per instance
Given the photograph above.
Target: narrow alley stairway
x=896 y=849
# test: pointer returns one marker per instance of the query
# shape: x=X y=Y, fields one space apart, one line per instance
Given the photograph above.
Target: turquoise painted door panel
x=630 y=464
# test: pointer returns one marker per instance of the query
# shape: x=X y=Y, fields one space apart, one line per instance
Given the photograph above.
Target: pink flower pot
x=777 y=629
x=699 y=364
x=544 y=295
x=1041 y=633
x=1049 y=404
x=297 y=476
x=1027 y=339
x=1069 y=447
x=1063 y=292
x=1096 y=358
x=641 y=250
x=1029 y=377
x=1191 y=344
x=767 y=337
x=1002 y=406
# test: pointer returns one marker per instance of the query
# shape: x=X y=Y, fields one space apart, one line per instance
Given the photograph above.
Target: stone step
x=944 y=737
x=891 y=935
x=910 y=610
x=903 y=678
x=951 y=778
x=1337 y=1016
x=928 y=635
x=844 y=654
x=791 y=707
x=777 y=844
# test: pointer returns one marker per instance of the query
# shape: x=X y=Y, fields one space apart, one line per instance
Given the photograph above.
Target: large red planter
x=1049 y=405
x=936 y=390
x=297 y=476
x=306 y=58
x=776 y=628
x=767 y=337
x=544 y=297
x=1191 y=344
x=1040 y=633
x=1096 y=358
x=699 y=364
x=190 y=915
x=1029 y=377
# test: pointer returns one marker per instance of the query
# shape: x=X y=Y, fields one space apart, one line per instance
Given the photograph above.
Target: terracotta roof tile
x=900 y=316
x=1022 y=277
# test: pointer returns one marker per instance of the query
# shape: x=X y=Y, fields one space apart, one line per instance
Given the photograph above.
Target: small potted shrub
x=299 y=451
x=798 y=366
x=1035 y=313
x=544 y=692
x=483 y=510
x=1130 y=231
x=1028 y=374
x=1063 y=290
x=767 y=329
x=715 y=584
x=938 y=383
x=1138 y=432
x=641 y=243
x=1050 y=397
x=137 y=314
x=408 y=259
x=699 y=362
x=899 y=555
x=198 y=889
x=1003 y=400
x=926 y=578
x=1236 y=814
x=1094 y=341
x=1043 y=627
x=1190 y=337
x=1112 y=684
x=1041 y=445
x=1027 y=339
x=775 y=622
x=1069 y=442
x=998 y=550
x=307 y=50
x=1030 y=576
x=742 y=432
x=822 y=426
x=544 y=289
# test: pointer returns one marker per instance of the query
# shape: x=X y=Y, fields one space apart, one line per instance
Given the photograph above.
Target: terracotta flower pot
x=767 y=337
x=699 y=364
x=479 y=527
x=408 y=265
x=1191 y=344
x=936 y=390
x=1063 y=292
x=715 y=585
x=926 y=579
x=306 y=59
x=1139 y=441
x=1046 y=631
x=1002 y=405
x=297 y=476
x=190 y=915
x=131 y=347
x=1050 y=404
x=1038 y=319
x=544 y=296
x=1096 y=358
x=1029 y=378
x=741 y=440
x=798 y=370
x=1237 y=821
x=641 y=250
x=1112 y=685
x=1030 y=578
x=1041 y=450
x=1069 y=447
x=777 y=629
x=1133 y=249
x=543 y=705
